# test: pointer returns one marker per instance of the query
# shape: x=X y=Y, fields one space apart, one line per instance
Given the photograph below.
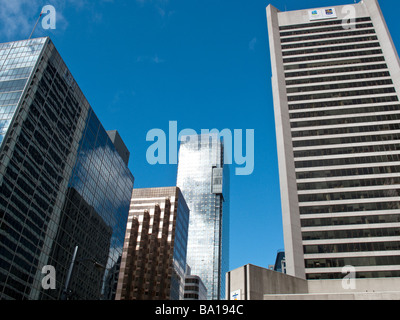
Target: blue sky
x=202 y=63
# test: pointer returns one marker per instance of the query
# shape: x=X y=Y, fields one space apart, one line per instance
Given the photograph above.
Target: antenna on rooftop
x=41 y=12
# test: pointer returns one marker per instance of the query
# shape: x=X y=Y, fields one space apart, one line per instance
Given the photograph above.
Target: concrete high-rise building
x=62 y=181
x=194 y=287
x=153 y=263
x=204 y=181
x=336 y=85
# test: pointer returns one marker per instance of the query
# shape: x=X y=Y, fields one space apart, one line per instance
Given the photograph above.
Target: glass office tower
x=62 y=182
x=336 y=85
x=204 y=181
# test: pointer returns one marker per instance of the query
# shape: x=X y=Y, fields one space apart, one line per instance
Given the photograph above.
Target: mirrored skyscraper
x=63 y=183
x=204 y=181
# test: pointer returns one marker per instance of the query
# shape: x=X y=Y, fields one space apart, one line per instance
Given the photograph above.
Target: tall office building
x=336 y=84
x=62 y=181
x=204 y=181
x=154 y=259
x=194 y=287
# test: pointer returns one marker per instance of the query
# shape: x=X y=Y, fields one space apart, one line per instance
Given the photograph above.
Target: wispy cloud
x=14 y=19
x=118 y=99
x=157 y=60
x=153 y=59
x=18 y=17
x=252 y=44
x=161 y=6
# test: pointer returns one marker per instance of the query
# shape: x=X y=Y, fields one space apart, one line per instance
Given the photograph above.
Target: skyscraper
x=336 y=84
x=204 y=181
x=62 y=181
x=154 y=258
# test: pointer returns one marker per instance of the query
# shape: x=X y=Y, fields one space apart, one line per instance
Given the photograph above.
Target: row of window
x=333 y=56
x=13 y=281
x=353 y=76
x=352 y=261
x=22 y=43
x=10 y=97
x=344 y=102
x=323 y=29
x=347 y=111
x=328 y=35
x=328 y=42
x=347 y=172
x=334 y=63
x=363 y=130
x=332 y=49
x=359 y=275
x=336 y=86
x=331 y=95
x=13 y=85
x=353 y=195
x=350 y=150
x=349 y=183
x=320 y=141
x=346 y=121
x=352 y=247
x=191 y=296
x=191 y=288
x=17 y=73
x=20 y=51
x=356 y=233
x=354 y=207
x=340 y=69
x=321 y=23
x=318 y=222
x=21 y=62
x=7 y=109
x=347 y=161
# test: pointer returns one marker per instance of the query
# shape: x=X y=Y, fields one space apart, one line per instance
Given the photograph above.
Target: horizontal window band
x=319 y=23
x=335 y=79
x=328 y=49
x=338 y=86
x=349 y=178
x=329 y=64
x=349 y=68
x=344 y=33
x=306 y=33
x=353 y=240
x=339 y=190
x=356 y=110
x=330 y=42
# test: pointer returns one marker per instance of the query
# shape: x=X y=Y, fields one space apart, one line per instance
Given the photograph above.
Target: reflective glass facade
x=204 y=181
x=62 y=184
x=17 y=60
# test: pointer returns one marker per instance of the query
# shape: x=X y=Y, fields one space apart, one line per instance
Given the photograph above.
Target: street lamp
x=97 y=265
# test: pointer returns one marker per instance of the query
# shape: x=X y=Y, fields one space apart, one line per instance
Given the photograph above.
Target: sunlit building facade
x=204 y=181
x=62 y=181
x=154 y=257
x=336 y=85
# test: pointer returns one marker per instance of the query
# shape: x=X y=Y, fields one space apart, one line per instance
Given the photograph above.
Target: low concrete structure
x=337 y=296
x=360 y=286
x=251 y=282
